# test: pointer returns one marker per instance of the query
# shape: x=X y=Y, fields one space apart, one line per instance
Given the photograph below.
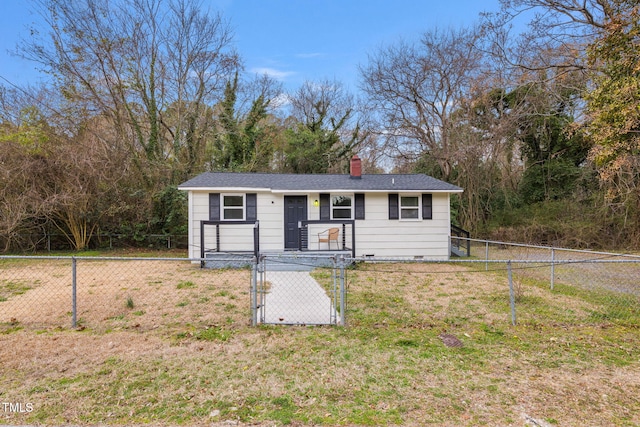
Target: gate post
x=262 y=267
x=254 y=291
x=343 y=293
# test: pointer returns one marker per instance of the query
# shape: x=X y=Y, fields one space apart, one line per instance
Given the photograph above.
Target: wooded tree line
x=540 y=126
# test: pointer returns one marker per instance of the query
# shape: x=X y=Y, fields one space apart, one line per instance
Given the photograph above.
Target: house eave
x=360 y=190
x=323 y=190
x=228 y=189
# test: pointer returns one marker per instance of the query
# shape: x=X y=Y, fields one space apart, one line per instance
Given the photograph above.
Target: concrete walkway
x=294 y=297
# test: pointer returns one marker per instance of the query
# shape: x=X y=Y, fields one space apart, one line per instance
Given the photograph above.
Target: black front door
x=295 y=210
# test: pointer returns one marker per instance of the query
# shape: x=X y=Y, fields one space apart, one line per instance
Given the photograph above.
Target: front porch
x=275 y=260
x=311 y=237
x=320 y=233
x=314 y=243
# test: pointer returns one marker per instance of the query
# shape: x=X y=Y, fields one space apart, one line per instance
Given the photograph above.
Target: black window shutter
x=359 y=214
x=325 y=207
x=427 y=206
x=252 y=206
x=214 y=206
x=393 y=206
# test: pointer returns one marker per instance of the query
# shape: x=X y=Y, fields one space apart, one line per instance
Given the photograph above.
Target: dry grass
x=113 y=295
x=185 y=355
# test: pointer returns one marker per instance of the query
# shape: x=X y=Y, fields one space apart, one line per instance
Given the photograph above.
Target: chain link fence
x=607 y=284
x=501 y=283
x=59 y=242
x=590 y=270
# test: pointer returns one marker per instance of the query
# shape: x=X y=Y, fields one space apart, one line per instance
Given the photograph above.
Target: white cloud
x=272 y=72
x=310 y=55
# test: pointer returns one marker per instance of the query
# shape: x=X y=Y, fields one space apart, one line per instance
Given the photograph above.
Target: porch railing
x=303 y=233
x=460 y=243
x=218 y=224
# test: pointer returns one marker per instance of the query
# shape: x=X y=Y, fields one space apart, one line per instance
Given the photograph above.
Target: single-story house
x=382 y=215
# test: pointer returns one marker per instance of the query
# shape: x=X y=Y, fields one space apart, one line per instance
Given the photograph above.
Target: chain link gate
x=298 y=290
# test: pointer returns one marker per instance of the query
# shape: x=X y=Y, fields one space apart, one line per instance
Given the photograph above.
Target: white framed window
x=232 y=207
x=410 y=207
x=342 y=206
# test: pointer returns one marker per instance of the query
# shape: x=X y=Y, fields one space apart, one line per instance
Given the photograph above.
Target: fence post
x=512 y=296
x=553 y=266
x=73 y=292
x=343 y=292
x=486 y=256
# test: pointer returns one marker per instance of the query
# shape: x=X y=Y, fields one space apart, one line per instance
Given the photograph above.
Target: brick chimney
x=356 y=167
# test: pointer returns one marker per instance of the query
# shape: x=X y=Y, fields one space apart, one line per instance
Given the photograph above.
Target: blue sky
x=292 y=40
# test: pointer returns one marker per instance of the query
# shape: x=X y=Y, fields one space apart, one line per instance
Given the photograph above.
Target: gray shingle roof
x=317 y=182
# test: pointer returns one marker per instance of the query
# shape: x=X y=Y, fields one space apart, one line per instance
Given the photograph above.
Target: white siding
x=379 y=236
x=271 y=216
x=198 y=211
x=375 y=235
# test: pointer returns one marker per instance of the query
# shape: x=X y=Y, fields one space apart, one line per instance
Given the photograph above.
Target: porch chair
x=328 y=236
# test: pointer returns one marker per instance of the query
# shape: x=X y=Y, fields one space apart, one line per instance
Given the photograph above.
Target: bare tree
x=551 y=33
x=24 y=199
x=91 y=181
x=131 y=60
x=416 y=88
